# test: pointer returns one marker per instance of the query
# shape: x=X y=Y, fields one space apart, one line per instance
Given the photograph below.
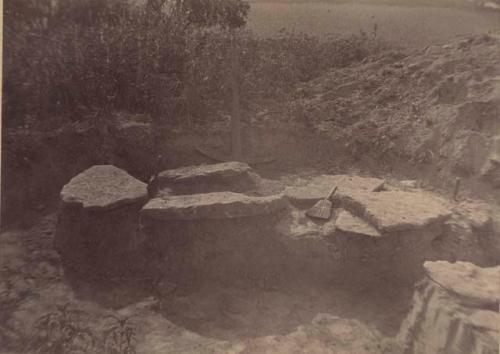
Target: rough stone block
x=455 y=310
x=391 y=211
x=470 y=284
x=217 y=205
x=227 y=176
x=103 y=187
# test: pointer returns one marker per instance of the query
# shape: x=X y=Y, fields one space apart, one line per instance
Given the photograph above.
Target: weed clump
x=68 y=330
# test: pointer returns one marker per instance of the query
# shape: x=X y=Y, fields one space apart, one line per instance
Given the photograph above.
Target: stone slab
x=216 y=205
x=103 y=187
x=472 y=283
x=346 y=222
x=391 y=211
x=318 y=187
x=219 y=171
x=440 y=321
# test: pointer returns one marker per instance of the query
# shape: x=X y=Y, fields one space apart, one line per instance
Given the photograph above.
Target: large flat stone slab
x=103 y=187
x=471 y=283
x=348 y=223
x=216 y=205
x=203 y=173
x=391 y=211
x=318 y=187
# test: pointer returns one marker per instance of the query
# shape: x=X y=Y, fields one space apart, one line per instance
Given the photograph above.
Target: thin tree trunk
x=235 y=119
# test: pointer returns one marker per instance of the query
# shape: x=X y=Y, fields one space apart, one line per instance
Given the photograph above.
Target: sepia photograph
x=250 y=177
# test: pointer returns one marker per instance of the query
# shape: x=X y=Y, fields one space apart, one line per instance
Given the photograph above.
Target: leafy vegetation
x=67 y=330
x=168 y=58
x=62 y=332
x=119 y=336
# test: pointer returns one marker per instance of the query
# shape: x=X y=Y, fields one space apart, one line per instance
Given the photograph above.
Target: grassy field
x=414 y=26
x=433 y=3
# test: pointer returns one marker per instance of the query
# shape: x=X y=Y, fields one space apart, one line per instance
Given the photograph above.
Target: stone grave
x=224 y=223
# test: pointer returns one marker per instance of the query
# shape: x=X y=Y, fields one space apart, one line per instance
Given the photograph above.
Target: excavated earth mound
x=431 y=114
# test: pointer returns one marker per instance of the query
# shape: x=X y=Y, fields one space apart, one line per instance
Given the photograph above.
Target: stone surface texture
x=471 y=284
x=103 y=187
x=373 y=231
x=217 y=205
x=192 y=173
x=346 y=222
x=387 y=211
x=318 y=187
x=226 y=176
x=454 y=310
x=221 y=235
x=392 y=211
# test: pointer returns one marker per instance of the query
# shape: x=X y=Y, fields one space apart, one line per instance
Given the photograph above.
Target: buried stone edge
x=215 y=205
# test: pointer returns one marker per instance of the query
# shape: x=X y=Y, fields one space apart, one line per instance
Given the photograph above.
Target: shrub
x=169 y=58
x=62 y=332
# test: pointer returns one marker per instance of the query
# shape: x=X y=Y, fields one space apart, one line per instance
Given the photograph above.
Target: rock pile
x=375 y=231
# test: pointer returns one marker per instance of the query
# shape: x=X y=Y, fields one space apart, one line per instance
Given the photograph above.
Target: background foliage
x=168 y=58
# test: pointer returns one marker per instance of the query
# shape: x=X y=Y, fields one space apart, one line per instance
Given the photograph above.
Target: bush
x=166 y=58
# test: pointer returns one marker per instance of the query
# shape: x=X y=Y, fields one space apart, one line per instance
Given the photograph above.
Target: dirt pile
x=430 y=112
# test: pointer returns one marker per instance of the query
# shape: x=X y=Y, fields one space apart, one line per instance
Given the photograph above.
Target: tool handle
x=332 y=192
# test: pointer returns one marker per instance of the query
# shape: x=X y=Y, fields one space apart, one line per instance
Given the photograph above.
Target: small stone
x=349 y=223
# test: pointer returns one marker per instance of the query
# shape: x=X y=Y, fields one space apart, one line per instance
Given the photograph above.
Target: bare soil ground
x=34 y=284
